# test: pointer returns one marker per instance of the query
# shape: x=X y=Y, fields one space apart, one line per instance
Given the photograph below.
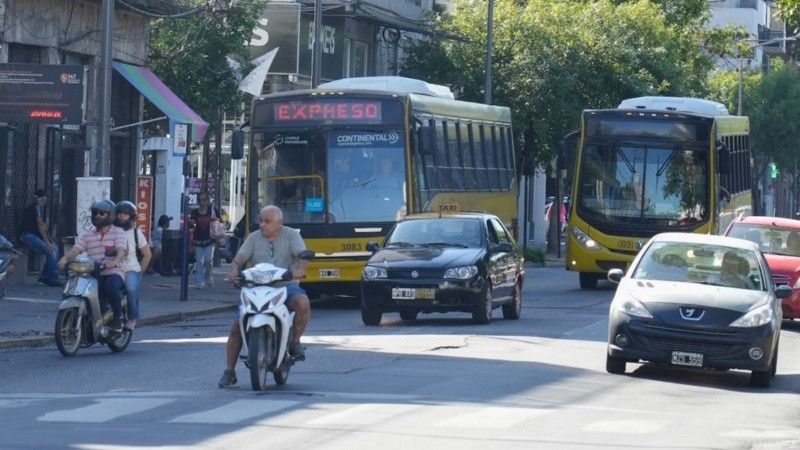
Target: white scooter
x=266 y=323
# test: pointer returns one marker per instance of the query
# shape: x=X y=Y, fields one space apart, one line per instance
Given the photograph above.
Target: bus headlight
x=586 y=242
x=372 y=272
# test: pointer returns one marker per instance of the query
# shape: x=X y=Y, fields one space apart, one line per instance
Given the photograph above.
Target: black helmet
x=125 y=207
x=106 y=206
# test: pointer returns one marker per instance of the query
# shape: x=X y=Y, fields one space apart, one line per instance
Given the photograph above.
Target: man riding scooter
x=95 y=242
x=279 y=245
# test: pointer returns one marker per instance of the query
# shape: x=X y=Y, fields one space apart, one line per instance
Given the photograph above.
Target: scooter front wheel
x=68 y=333
x=260 y=346
x=281 y=374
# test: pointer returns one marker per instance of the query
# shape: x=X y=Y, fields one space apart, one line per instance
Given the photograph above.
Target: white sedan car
x=698 y=301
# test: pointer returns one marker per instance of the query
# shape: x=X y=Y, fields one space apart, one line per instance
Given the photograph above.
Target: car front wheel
x=482 y=311
x=371 y=317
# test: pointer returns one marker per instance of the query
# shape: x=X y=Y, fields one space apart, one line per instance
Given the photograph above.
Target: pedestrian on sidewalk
x=200 y=219
x=132 y=265
x=156 y=242
x=33 y=233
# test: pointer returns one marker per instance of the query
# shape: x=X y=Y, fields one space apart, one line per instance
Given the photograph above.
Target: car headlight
x=584 y=240
x=632 y=307
x=461 y=273
x=755 y=318
x=372 y=272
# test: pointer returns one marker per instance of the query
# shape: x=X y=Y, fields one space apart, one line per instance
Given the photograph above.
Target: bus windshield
x=629 y=183
x=325 y=176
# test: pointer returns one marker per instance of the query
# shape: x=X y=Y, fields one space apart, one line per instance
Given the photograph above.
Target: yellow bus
x=652 y=165
x=347 y=160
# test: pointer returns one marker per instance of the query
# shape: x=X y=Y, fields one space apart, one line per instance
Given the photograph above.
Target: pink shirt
x=95 y=245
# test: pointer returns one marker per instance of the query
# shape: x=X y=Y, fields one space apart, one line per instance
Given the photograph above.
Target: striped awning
x=146 y=82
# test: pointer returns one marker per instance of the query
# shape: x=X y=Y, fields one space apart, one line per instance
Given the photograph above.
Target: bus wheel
x=588 y=280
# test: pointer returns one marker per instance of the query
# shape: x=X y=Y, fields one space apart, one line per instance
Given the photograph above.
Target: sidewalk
x=28 y=312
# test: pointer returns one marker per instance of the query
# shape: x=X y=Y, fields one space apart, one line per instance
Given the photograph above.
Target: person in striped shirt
x=95 y=242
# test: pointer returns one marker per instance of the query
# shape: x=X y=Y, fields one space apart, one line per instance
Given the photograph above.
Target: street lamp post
x=741 y=68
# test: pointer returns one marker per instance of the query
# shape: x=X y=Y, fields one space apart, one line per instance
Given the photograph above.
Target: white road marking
x=370 y=414
x=494 y=417
x=105 y=410
x=625 y=426
x=236 y=411
x=31 y=300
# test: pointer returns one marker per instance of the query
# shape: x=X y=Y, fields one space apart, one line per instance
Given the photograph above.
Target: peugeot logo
x=639 y=245
x=414 y=274
x=693 y=314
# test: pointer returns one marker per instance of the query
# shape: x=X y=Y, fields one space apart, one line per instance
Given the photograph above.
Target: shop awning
x=146 y=82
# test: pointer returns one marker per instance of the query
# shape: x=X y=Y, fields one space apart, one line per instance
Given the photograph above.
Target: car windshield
x=466 y=233
x=770 y=239
x=700 y=263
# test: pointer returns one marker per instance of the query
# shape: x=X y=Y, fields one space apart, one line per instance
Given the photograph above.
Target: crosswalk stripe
x=236 y=411
x=104 y=410
x=364 y=414
x=493 y=417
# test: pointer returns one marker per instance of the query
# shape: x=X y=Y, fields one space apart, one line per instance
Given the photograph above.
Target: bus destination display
x=330 y=111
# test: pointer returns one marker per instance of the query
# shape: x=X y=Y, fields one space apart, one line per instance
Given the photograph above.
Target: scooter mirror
x=111 y=253
x=307 y=254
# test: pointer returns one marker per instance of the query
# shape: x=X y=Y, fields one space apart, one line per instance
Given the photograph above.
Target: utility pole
x=316 y=55
x=103 y=150
x=487 y=89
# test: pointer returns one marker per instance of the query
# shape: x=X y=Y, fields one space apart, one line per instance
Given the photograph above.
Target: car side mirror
x=372 y=246
x=503 y=247
x=783 y=291
x=615 y=275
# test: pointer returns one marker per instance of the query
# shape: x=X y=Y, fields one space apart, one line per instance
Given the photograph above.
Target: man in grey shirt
x=279 y=245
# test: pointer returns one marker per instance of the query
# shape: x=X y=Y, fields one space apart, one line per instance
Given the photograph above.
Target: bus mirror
x=427 y=140
x=724 y=157
x=561 y=159
x=237 y=145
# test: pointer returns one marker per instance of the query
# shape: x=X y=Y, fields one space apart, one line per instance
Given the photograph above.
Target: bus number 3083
x=351 y=247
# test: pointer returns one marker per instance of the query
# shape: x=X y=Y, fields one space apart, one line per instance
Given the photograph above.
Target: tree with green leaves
x=190 y=51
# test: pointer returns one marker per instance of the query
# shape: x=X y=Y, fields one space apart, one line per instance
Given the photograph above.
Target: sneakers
x=49 y=282
x=297 y=351
x=201 y=286
x=130 y=324
x=228 y=379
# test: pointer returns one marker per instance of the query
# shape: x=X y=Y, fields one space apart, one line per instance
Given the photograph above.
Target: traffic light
x=773 y=171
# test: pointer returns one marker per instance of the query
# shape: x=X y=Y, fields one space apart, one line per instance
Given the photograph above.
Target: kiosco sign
x=42 y=93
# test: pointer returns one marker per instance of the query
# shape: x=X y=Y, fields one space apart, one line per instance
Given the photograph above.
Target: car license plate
x=329 y=273
x=687 y=359
x=413 y=294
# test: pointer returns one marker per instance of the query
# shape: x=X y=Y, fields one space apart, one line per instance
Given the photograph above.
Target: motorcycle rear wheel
x=261 y=352
x=120 y=342
x=68 y=334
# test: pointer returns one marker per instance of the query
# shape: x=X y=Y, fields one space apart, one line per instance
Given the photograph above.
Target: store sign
x=144 y=204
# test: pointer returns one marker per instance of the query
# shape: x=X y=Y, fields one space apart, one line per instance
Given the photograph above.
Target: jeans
x=36 y=243
x=133 y=278
x=203 y=256
x=111 y=285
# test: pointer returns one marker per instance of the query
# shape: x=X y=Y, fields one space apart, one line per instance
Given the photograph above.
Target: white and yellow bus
x=345 y=161
x=652 y=165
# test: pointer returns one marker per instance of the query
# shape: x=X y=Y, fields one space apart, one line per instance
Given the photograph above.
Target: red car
x=779 y=241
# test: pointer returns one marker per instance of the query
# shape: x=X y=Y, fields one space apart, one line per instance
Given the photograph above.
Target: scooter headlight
x=262 y=276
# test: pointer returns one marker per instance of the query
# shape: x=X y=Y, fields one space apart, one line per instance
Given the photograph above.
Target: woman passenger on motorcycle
x=95 y=241
x=126 y=219
x=279 y=245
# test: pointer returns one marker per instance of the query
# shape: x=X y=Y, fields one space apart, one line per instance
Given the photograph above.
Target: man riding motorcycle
x=279 y=245
x=95 y=242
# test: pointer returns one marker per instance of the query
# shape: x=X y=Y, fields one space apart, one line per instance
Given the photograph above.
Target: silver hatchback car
x=697 y=301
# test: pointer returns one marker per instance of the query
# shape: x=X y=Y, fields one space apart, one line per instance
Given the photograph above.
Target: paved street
x=538 y=382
